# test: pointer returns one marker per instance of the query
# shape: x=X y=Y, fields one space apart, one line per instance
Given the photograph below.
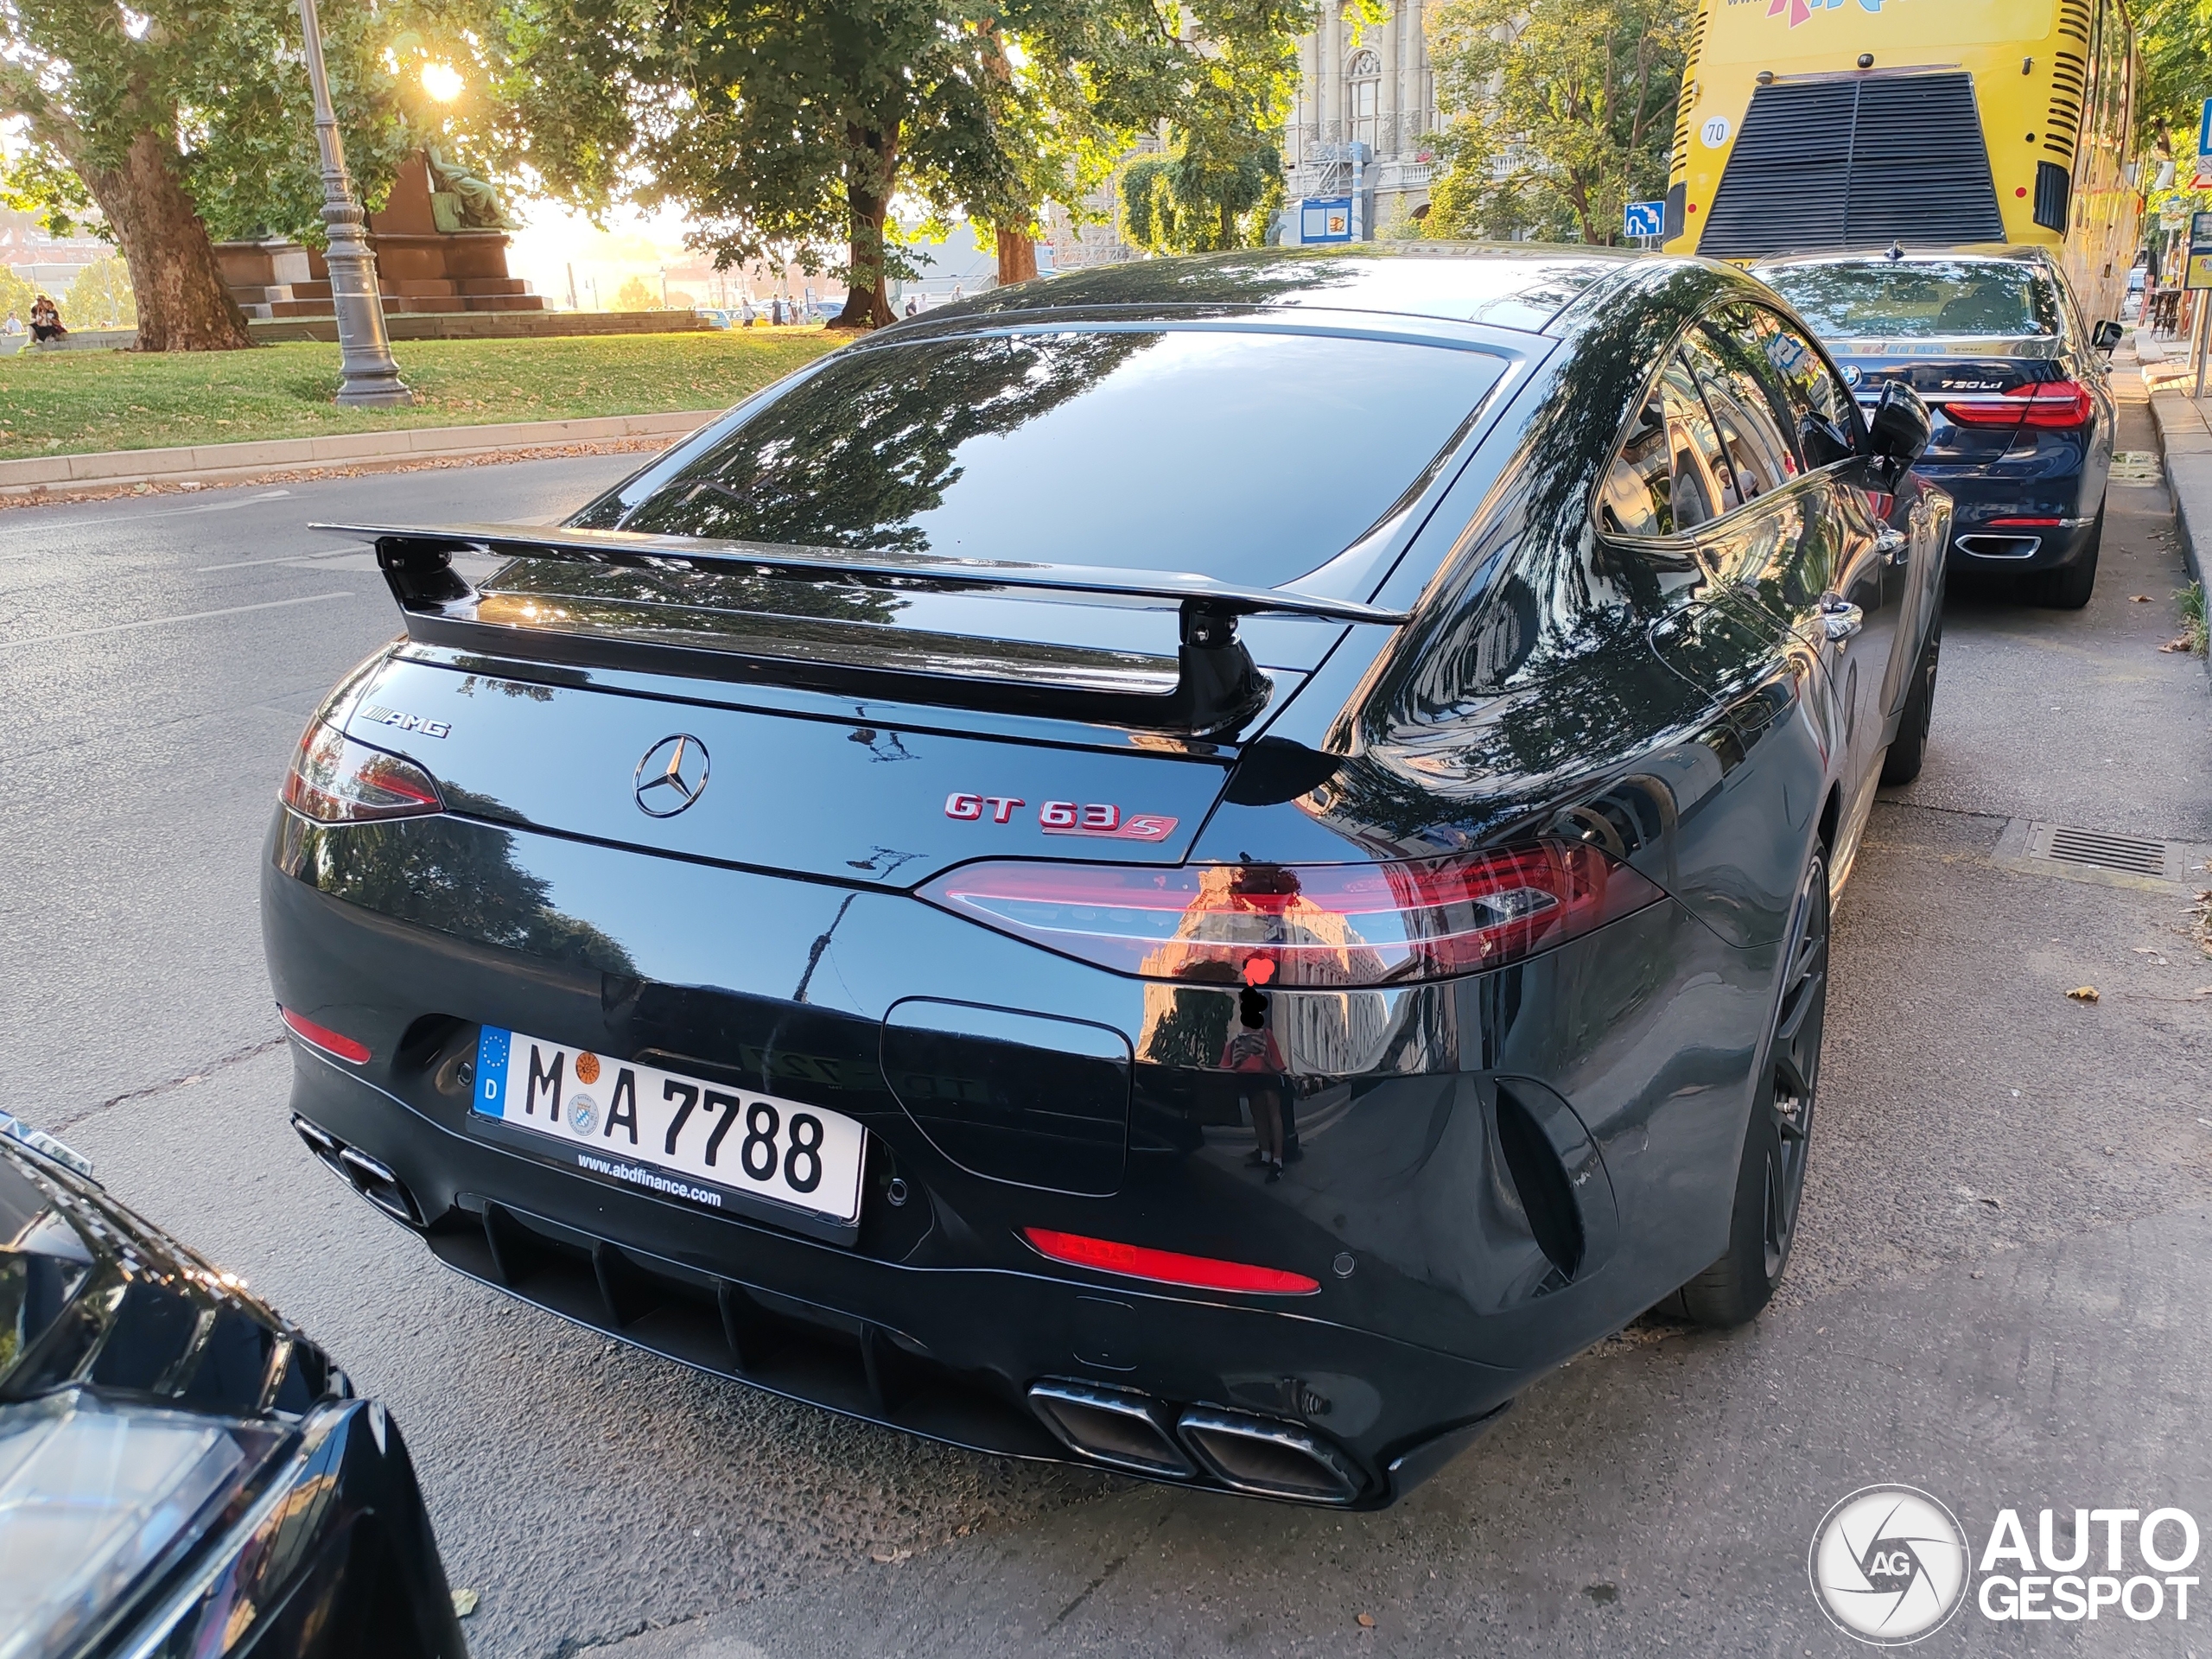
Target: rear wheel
x=1901 y=765
x=1770 y=1180
x=2068 y=587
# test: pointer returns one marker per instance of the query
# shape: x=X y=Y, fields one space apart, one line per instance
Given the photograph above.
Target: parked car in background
x=181 y=1470
x=715 y=316
x=2023 y=415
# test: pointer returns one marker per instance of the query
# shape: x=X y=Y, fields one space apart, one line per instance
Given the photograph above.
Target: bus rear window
x=1920 y=300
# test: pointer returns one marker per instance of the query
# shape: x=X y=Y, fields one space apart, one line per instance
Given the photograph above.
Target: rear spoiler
x=1218 y=689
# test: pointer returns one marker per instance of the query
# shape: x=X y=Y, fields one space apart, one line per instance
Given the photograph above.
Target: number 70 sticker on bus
x=680 y=1136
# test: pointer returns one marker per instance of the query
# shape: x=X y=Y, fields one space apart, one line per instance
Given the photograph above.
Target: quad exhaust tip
x=1264 y=1456
x=369 y=1177
x=1114 y=1425
x=1270 y=1457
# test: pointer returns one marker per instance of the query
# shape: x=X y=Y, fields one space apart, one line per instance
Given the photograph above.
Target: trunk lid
x=1972 y=375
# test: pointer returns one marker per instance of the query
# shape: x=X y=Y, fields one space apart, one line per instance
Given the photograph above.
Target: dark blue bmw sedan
x=2022 y=438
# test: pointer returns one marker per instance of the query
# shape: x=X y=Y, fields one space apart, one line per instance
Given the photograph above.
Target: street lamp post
x=367 y=373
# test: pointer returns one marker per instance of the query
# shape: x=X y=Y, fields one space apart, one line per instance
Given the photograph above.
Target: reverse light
x=335 y=780
x=2049 y=404
x=1166 y=1267
x=323 y=1037
x=1280 y=925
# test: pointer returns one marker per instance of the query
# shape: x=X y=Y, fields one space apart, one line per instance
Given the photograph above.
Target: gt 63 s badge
x=1064 y=817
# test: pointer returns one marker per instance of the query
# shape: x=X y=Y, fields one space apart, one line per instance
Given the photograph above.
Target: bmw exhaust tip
x=1111 y=1425
x=1269 y=1458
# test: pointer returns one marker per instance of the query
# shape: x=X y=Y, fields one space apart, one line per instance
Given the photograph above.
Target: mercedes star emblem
x=672 y=775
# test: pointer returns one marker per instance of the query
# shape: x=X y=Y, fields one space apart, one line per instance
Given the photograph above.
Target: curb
x=2186 y=440
x=234 y=463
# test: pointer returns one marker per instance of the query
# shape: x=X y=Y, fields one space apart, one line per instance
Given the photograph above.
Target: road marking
x=163 y=621
x=132 y=517
x=285 y=558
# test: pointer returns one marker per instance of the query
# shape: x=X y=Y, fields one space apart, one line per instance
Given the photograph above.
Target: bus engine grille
x=1856 y=164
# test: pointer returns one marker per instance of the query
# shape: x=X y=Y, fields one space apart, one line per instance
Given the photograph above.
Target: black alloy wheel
x=2070 y=586
x=1770 y=1180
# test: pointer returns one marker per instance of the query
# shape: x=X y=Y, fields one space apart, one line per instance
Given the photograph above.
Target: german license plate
x=668 y=1132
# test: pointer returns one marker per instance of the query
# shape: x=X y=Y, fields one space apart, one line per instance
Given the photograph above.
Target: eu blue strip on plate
x=492 y=1071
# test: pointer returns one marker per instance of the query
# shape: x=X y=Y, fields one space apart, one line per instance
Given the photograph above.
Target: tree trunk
x=1017 y=257
x=867 y=193
x=183 y=305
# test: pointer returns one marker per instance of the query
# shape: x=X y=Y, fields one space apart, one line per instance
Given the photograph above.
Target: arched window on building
x=1363 y=100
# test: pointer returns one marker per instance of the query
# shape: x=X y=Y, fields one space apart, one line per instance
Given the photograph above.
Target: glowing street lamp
x=367 y=373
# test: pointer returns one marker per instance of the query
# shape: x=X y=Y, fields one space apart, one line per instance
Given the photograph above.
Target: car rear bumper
x=1987 y=536
x=1434 y=1302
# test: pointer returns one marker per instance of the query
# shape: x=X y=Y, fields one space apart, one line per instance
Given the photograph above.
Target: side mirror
x=2106 y=335
x=1896 y=430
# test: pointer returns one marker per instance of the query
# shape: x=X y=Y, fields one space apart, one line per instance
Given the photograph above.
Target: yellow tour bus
x=1817 y=125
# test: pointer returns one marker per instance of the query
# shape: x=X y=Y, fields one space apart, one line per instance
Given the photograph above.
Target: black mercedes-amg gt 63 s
x=1202 y=866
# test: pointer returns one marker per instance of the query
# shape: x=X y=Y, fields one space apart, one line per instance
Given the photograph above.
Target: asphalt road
x=1998 y=1296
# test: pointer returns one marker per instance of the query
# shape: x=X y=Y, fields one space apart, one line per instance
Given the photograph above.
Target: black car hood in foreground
x=182 y=1471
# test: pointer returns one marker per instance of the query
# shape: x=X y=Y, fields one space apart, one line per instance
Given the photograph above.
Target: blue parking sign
x=1644 y=218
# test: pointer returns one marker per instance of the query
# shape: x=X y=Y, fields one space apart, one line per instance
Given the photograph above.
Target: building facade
x=1377 y=90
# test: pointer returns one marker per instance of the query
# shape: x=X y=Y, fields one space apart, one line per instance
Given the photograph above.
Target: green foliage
x=224 y=83
x=101 y=297
x=2175 y=37
x=1560 y=114
x=784 y=127
x=635 y=296
x=15 y=296
x=1195 y=200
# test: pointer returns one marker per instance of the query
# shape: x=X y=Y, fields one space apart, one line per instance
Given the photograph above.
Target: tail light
x=331 y=1042
x=335 y=780
x=1333 y=926
x=2050 y=405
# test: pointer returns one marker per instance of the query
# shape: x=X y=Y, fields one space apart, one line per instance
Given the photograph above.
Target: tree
x=1561 y=112
x=1193 y=201
x=100 y=297
x=2175 y=37
x=786 y=127
x=635 y=296
x=171 y=122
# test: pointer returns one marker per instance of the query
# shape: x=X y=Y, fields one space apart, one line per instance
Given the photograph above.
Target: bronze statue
x=476 y=206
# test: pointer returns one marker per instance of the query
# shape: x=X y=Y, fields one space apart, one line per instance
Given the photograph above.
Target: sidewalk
x=45 y=477
x=2185 y=435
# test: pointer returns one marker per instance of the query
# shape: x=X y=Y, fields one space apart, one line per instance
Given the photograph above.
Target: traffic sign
x=1644 y=218
x=2204 y=129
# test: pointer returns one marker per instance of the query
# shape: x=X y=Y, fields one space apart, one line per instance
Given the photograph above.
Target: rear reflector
x=2051 y=404
x=1286 y=926
x=335 y=780
x=2026 y=524
x=1166 y=1267
x=323 y=1037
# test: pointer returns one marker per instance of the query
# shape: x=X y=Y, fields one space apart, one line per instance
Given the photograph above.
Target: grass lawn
x=69 y=403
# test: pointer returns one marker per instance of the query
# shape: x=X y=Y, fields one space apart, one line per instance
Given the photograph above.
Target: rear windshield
x=1919 y=299
x=1246 y=456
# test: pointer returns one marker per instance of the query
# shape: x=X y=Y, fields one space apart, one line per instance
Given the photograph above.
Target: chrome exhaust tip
x=1269 y=1458
x=1117 y=1427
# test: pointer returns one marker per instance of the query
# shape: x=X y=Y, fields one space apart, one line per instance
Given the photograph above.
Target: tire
x=2068 y=588
x=1770 y=1176
x=1901 y=762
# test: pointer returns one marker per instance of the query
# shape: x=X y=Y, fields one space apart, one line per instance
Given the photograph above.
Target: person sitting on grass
x=46 y=319
x=13 y=325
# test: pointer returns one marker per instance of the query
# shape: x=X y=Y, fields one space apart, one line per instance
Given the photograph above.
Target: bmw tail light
x=1332 y=925
x=335 y=780
x=2058 y=405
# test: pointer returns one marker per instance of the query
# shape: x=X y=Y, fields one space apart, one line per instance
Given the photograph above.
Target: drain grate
x=2137 y=467
x=2123 y=852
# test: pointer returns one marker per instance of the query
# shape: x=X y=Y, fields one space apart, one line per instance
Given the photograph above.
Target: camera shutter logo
x=1889 y=1565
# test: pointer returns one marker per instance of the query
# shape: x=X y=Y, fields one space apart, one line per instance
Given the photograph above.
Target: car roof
x=1516 y=286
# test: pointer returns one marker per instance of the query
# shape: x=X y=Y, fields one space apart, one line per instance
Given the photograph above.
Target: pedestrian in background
x=46 y=319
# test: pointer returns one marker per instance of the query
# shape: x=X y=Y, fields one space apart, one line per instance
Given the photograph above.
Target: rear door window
x=1246 y=455
x=1760 y=459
